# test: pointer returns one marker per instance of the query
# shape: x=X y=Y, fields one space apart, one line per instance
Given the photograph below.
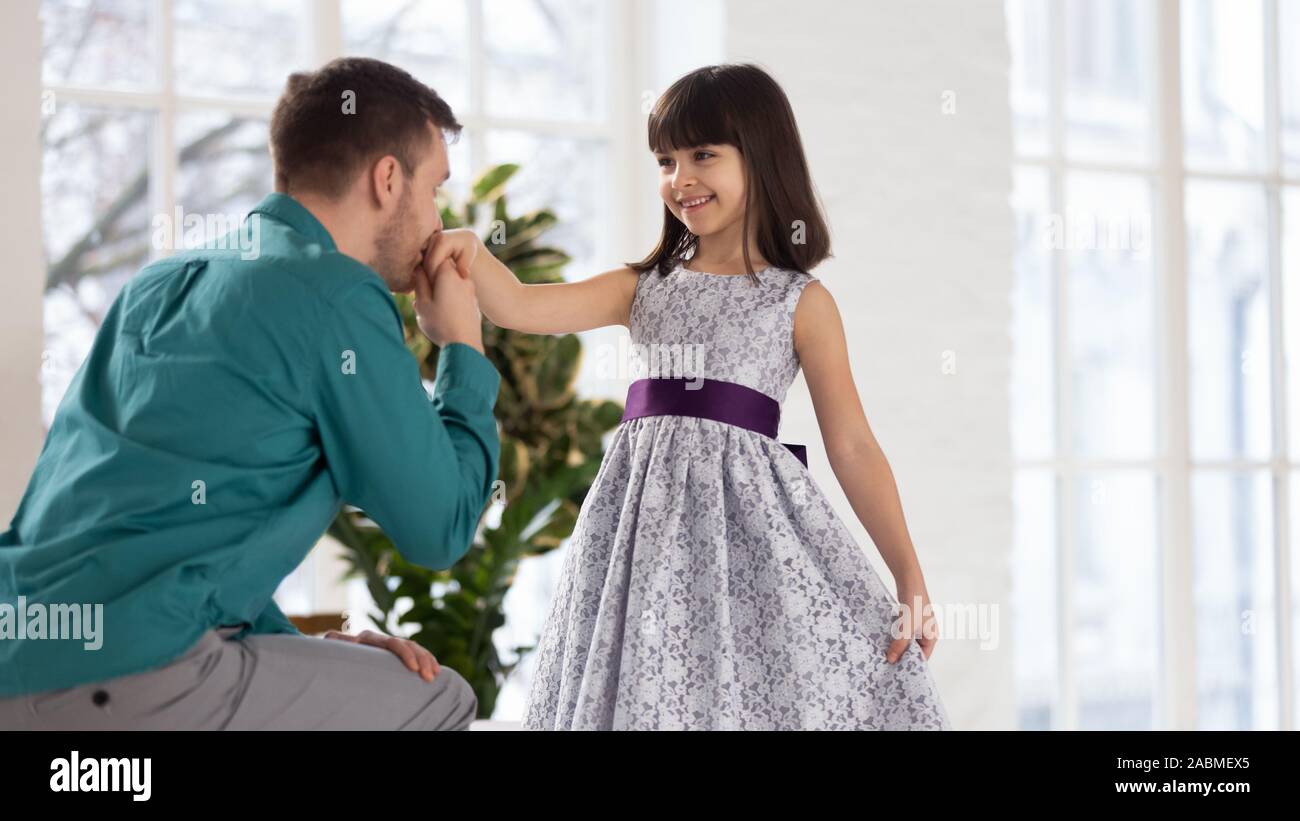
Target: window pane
x=546 y=59
x=225 y=170
x=1223 y=83
x=1236 y=631
x=1030 y=73
x=1117 y=600
x=1034 y=601
x=1109 y=77
x=1291 y=312
x=1107 y=228
x=1228 y=320
x=526 y=606
x=1295 y=589
x=566 y=175
x=105 y=43
x=96 y=211
x=1289 y=26
x=242 y=48
x=1033 y=401
x=461 y=165
x=430 y=40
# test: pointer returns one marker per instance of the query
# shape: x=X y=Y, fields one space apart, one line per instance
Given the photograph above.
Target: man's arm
x=421 y=470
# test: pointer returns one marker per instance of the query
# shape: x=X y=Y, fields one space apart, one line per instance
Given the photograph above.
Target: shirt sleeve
x=272 y=620
x=421 y=469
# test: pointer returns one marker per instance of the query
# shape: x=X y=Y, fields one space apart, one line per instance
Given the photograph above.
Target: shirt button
x=100 y=698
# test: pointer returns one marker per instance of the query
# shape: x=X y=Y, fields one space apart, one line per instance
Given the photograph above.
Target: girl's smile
x=693 y=204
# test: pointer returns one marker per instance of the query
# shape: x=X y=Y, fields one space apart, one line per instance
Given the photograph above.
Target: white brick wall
x=922 y=234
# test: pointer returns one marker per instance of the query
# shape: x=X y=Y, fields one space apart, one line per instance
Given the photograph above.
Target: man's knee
x=454 y=706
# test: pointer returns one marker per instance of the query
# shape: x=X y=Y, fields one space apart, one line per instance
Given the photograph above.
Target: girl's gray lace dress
x=708 y=583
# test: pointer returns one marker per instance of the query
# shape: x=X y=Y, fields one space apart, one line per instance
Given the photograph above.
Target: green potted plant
x=551 y=450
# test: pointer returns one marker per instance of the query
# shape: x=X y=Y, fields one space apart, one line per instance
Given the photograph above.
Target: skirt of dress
x=709 y=584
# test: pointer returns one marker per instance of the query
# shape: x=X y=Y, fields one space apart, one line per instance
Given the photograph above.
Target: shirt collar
x=286 y=209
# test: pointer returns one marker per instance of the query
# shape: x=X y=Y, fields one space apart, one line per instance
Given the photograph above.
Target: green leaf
x=550 y=454
x=491 y=184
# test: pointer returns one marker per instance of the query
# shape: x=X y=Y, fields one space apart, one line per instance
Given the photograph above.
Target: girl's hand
x=457 y=244
x=916 y=621
x=415 y=657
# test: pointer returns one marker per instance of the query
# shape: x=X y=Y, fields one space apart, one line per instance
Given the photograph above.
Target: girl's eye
x=703 y=155
x=664 y=161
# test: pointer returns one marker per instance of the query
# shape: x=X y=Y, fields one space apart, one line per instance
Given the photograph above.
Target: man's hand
x=460 y=245
x=415 y=657
x=446 y=308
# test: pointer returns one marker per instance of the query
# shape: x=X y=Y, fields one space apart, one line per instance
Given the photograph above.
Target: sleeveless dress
x=708 y=583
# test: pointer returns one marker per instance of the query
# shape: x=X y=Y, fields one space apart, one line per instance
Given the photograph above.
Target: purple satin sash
x=713 y=399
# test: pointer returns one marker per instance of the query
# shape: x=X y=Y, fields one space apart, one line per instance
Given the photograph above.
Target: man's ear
x=386 y=181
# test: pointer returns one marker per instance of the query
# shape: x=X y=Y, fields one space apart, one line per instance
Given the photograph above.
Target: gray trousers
x=261 y=682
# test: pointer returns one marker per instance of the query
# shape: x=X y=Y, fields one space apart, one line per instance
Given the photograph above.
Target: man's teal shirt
x=226 y=410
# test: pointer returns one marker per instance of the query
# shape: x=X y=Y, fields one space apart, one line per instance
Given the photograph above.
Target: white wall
x=922 y=235
x=23 y=272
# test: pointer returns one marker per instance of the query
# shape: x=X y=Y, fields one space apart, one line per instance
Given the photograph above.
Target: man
x=227 y=407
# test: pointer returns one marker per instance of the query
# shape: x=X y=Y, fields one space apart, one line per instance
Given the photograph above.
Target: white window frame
x=1173 y=465
x=617 y=129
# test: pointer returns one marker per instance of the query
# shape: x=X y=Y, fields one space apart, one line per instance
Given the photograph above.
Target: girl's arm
x=556 y=308
x=855 y=455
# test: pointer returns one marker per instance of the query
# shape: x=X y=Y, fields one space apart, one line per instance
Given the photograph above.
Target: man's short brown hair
x=329 y=125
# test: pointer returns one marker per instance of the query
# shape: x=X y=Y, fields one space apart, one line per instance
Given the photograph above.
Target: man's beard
x=392 y=261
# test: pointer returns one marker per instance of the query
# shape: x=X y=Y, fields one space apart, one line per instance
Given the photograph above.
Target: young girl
x=708 y=583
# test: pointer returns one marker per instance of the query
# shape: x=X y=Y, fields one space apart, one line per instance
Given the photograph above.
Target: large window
x=1157 y=331
x=156 y=110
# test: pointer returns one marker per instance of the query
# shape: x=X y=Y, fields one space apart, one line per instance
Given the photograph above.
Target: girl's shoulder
x=792 y=275
x=790 y=280
x=792 y=284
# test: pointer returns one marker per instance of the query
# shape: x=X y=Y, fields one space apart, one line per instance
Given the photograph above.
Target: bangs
x=692 y=112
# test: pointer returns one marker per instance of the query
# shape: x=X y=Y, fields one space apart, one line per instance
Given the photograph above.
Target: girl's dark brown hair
x=741 y=105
